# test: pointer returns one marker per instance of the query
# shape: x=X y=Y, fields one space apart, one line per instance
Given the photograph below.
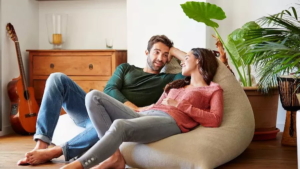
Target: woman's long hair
x=208 y=65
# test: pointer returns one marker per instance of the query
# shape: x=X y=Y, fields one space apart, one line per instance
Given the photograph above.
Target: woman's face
x=189 y=64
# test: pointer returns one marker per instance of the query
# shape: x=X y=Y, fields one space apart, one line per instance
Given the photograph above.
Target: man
x=133 y=86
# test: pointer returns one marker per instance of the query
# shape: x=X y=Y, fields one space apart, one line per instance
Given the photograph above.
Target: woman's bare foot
x=115 y=161
x=43 y=155
x=39 y=145
x=73 y=165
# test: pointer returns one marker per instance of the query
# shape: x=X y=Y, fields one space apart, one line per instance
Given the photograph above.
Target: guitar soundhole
x=14 y=109
x=26 y=94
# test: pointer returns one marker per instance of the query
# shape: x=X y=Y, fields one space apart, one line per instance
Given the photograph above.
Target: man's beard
x=151 y=65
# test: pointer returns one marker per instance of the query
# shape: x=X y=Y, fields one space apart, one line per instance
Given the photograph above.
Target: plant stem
x=230 y=55
x=249 y=75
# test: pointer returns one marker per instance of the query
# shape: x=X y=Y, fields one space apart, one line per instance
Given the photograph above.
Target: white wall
x=146 y=18
x=238 y=13
x=90 y=22
x=24 y=17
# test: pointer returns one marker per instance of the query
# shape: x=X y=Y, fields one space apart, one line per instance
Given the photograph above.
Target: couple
x=184 y=104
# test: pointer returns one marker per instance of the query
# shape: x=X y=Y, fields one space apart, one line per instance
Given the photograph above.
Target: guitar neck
x=21 y=67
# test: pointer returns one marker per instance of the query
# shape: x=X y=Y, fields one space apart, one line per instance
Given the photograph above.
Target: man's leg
x=61 y=91
x=82 y=142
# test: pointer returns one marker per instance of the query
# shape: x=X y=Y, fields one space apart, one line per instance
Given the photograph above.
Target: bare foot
x=43 y=155
x=116 y=161
x=73 y=165
x=39 y=145
x=23 y=161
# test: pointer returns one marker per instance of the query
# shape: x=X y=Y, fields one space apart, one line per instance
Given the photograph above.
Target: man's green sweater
x=130 y=83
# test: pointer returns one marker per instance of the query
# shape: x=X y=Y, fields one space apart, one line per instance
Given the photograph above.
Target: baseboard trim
x=6 y=131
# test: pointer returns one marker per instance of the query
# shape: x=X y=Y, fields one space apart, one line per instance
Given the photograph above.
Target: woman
x=184 y=105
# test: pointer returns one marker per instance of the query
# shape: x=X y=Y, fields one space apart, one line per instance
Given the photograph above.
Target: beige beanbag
x=202 y=148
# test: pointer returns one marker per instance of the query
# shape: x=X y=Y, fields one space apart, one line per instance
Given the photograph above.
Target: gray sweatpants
x=116 y=123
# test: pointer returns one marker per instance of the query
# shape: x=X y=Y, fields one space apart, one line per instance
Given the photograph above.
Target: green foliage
x=271 y=44
x=274 y=49
x=236 y=38
x=203 y=12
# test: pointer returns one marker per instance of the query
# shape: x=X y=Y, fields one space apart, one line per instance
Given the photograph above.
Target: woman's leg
x=144 y=129
x=103 y=110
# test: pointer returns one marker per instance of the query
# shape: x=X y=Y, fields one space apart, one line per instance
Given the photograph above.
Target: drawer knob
x=51 y=65
x=91 y=66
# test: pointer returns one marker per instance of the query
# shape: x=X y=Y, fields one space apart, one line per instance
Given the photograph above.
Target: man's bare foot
x=73 y=165
x=116 y=161
x=39 y=145
x=43 y=155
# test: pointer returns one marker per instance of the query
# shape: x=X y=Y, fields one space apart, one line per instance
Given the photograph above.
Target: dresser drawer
x=39 y=86
x=72 y=65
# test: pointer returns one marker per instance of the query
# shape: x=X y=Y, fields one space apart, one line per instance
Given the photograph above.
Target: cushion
x=203 y=147
x=172 y=67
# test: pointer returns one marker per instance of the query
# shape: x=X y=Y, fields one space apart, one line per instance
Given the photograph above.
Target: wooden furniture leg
x=289 y=136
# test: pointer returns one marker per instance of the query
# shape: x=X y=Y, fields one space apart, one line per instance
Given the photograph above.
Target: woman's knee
x=93 y=97
x=118 y=125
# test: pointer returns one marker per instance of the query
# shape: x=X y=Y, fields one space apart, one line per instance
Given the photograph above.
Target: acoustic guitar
x=23 y=106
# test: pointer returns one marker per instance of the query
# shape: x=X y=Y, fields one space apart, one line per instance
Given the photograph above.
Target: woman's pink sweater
x=199 y=105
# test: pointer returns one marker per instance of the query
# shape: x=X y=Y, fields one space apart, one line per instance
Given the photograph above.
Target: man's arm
x=175 y=52
x=114 y=86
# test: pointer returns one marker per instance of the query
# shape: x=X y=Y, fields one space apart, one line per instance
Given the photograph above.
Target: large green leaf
x=203 y=12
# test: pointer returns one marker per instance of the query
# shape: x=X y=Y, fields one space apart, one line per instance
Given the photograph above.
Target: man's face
x=158 y=56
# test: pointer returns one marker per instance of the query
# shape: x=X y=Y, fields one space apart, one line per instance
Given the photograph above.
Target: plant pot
x=264 y=107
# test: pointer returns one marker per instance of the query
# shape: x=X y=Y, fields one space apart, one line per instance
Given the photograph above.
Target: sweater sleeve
x=211 y=118
x=115 y=83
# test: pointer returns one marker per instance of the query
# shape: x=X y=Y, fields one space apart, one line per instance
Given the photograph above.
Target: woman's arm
x=162 y=97
x=212 y=118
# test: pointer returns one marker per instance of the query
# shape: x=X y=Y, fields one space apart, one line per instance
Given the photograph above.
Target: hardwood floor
x=259 y=155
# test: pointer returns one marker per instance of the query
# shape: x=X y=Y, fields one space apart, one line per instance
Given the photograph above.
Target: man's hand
x=131 y=105
x=169 y=102
x=144 y=108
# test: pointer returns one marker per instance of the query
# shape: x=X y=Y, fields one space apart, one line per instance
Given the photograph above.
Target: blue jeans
x=115 y=123
x=61 y=91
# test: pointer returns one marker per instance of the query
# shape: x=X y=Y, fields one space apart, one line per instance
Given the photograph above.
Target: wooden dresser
x=90 y=69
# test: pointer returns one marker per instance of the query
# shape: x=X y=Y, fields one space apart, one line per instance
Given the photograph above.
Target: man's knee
x=56 y=77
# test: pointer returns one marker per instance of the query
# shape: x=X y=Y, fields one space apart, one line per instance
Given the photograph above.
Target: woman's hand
x=169 y=102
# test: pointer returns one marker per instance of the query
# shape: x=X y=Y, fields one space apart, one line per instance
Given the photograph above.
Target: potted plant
x=276 y=51
x=265 y=119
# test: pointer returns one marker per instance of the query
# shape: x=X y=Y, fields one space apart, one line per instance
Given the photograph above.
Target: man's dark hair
x=159 y=38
